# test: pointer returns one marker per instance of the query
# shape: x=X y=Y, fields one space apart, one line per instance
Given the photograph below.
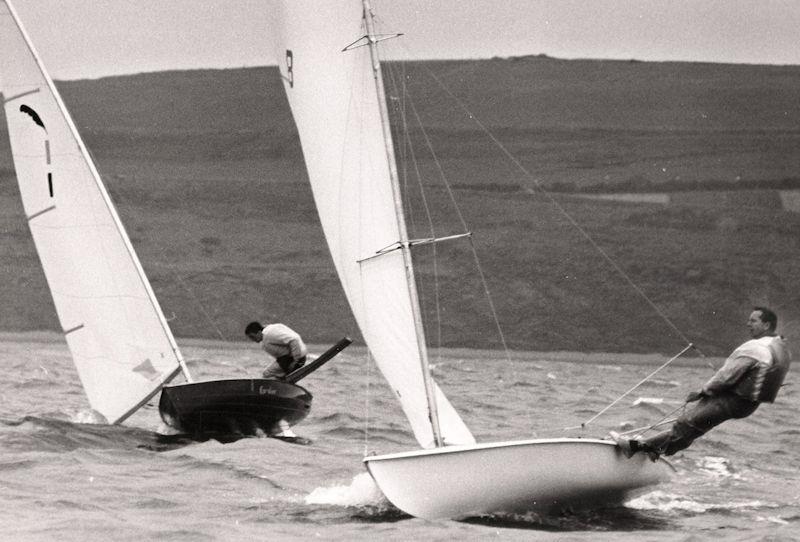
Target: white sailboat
x=328 y=60
x=119 y=339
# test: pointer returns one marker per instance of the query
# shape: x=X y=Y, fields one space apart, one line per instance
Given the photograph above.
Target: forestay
x=113 y=325
x=335 y=106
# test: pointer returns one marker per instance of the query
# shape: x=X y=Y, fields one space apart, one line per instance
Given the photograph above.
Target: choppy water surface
x=63 y=478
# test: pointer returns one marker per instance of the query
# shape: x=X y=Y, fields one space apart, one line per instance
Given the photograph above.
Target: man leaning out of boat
x=751 y=375
x=282 y=343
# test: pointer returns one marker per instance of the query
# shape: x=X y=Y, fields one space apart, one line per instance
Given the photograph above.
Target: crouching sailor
x=751 y=375
x=282 y=343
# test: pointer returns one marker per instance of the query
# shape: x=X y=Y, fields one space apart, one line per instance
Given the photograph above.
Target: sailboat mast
x=401 y=223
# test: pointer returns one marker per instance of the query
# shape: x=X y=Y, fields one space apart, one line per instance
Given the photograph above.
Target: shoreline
x=599 y=358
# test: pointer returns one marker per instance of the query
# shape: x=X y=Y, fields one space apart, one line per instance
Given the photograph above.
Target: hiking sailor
x=751 y=375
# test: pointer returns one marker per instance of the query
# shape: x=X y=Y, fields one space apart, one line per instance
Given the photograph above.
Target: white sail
x=119 y=340
x=335 y=107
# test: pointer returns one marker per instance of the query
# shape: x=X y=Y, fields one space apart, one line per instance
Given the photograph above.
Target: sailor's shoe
x=627 y=446
x=653 y=455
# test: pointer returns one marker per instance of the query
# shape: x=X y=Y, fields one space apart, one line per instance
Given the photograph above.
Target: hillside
x=207 y=174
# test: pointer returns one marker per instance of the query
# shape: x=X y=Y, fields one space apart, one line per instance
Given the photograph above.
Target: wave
x=717 y=467
x=601 y=519
x=360 y=491
x=523 y=384
x=340 y=418
x=22 y=464
x=346 y=425
x=658 y=383
x=36 y=434
x=645 y=401
x=668 y=502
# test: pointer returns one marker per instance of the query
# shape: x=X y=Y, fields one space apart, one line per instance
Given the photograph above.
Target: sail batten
x=95 y=278
x=336 y=109
x=22 y=95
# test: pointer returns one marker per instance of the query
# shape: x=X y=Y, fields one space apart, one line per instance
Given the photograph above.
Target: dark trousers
x=706 y=414
x=288 y=364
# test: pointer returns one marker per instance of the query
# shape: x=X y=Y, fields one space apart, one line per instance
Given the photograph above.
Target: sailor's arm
x=298 y=348
x=727 y=377
x=281 y=334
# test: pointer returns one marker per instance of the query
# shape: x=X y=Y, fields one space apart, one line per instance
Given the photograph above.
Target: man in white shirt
x=282 y=343
x=751 y=375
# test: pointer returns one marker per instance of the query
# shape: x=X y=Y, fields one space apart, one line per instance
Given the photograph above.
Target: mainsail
x=116 y=332
x=336 y=109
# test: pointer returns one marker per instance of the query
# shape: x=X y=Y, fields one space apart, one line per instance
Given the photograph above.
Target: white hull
x=533 y=475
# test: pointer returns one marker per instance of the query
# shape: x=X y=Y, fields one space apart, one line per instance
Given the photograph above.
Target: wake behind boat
x=331 y=71
x=121 y=344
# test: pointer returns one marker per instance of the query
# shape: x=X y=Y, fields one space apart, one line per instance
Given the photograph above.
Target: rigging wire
x=459 y=214
x=645 y=428
x=119 y=199
x=450 y=193
x=573 y=222
x=409 y=156
x=667 y=418
x=197 y=302
x=558 y=206
x=642 y=381
x=527 y=174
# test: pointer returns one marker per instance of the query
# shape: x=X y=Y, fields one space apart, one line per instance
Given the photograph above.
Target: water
x=62 y=478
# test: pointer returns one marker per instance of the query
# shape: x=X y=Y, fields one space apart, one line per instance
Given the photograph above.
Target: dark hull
x=233 y=408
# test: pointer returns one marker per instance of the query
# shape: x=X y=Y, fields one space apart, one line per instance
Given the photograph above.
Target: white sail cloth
x=333 y=99
x=120 y=343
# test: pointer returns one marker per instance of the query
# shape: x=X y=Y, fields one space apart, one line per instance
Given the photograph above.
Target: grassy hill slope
x=206 y=171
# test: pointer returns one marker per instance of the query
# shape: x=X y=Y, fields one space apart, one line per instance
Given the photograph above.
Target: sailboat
x=328 y=61
x=121 y=344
